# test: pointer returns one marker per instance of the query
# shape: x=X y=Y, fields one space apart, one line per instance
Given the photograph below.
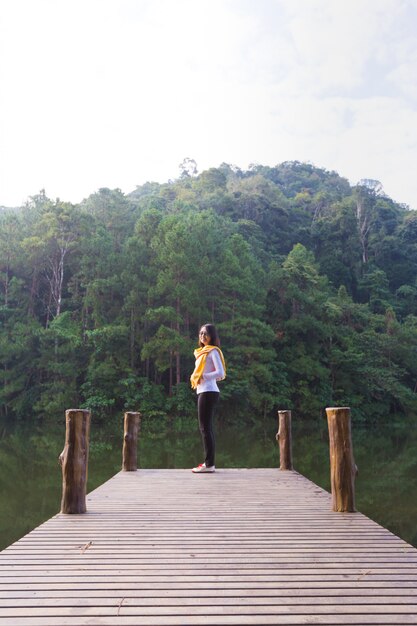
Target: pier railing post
x=283 y=437
x=130 y=441
x=342 y=465
x=74 y=461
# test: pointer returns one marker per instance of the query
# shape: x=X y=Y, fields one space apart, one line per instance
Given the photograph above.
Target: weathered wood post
x=342 y=465
x=74 y=461
x=283 y=437
x=130 y=441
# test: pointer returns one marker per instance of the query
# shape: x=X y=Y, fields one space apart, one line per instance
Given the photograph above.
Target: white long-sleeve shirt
x=213 y=371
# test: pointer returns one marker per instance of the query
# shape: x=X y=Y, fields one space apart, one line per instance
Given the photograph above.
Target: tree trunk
x=84 y=321
x=74 y=461
x=178 y=367
x=177 y=353
x=342 y=465
x=132 y=337
x=58 y=280
x=363 y=219
x=6 y=285
x=170 y=374
x=48 y=310
x=33 y=289
x=284 y=438
x=130 y=441
x=60 y=283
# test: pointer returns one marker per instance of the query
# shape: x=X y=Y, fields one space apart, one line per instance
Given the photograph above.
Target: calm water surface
x=30 y=477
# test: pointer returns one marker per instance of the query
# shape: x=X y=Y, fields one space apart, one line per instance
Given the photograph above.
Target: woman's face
x=204 y=336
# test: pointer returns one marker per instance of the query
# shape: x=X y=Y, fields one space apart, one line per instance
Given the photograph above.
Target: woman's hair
x=214 y=336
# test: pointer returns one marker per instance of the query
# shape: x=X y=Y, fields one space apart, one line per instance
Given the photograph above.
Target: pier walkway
x=241 y=546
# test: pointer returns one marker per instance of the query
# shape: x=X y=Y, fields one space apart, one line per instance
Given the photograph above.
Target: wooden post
x=283 y=436
x=130 y=441
x=342 y=465
x=74 y=461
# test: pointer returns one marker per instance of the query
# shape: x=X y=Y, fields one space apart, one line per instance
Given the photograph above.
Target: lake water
x=30 y=476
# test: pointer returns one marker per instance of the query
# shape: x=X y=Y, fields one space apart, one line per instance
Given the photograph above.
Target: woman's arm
x=218 y=372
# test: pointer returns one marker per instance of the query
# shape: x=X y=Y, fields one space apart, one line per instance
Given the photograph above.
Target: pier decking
x=167 y=547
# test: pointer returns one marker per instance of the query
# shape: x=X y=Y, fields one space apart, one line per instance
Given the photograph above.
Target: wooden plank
x=122 y=609
x=197 y=575
x=294 y=594
x=281 y=558
x=182 y=601
x=222 y=620
x=268 y=550
x=190 y=567
x=215 y=584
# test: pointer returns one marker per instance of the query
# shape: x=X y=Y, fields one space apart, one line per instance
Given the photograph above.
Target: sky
x=113 y=93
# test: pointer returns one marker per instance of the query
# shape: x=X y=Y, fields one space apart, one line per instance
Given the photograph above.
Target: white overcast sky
x=112 y=93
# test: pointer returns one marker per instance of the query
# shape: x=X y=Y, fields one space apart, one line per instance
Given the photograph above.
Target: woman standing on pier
x=209 y=368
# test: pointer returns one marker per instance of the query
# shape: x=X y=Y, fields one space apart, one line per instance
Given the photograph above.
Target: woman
x=209 y=368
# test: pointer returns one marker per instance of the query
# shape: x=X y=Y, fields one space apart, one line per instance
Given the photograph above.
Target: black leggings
x=206 y=404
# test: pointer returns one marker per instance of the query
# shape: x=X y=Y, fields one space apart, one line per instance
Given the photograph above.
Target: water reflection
x=30 y=477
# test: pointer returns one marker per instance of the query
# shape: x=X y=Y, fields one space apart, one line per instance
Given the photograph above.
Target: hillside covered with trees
x=312 y=283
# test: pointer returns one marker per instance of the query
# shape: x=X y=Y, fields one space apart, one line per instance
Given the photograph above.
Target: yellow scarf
x=200 y=356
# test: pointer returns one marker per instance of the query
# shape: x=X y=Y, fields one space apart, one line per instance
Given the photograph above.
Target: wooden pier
x=241 y=546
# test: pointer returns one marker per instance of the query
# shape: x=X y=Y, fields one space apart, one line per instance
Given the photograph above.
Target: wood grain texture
x=284 y=438
x=342 y=465
x=74 y=461
x=130 y=441
x=240 y=546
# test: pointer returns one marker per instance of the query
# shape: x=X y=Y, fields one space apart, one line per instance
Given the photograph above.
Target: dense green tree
x=298 y=314
x=336 y=244
x=312 y=283
x=52 y=240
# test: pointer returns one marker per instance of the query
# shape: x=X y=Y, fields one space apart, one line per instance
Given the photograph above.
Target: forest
x=311 y=281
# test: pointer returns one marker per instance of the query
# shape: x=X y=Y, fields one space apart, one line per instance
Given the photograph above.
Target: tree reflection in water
x=30 y=477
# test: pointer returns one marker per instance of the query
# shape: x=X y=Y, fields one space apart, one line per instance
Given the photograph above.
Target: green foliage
x=182 y=402
x=141 y=394
x=312 y=284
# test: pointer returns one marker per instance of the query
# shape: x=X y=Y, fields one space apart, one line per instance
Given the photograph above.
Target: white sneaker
x=204 y=469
